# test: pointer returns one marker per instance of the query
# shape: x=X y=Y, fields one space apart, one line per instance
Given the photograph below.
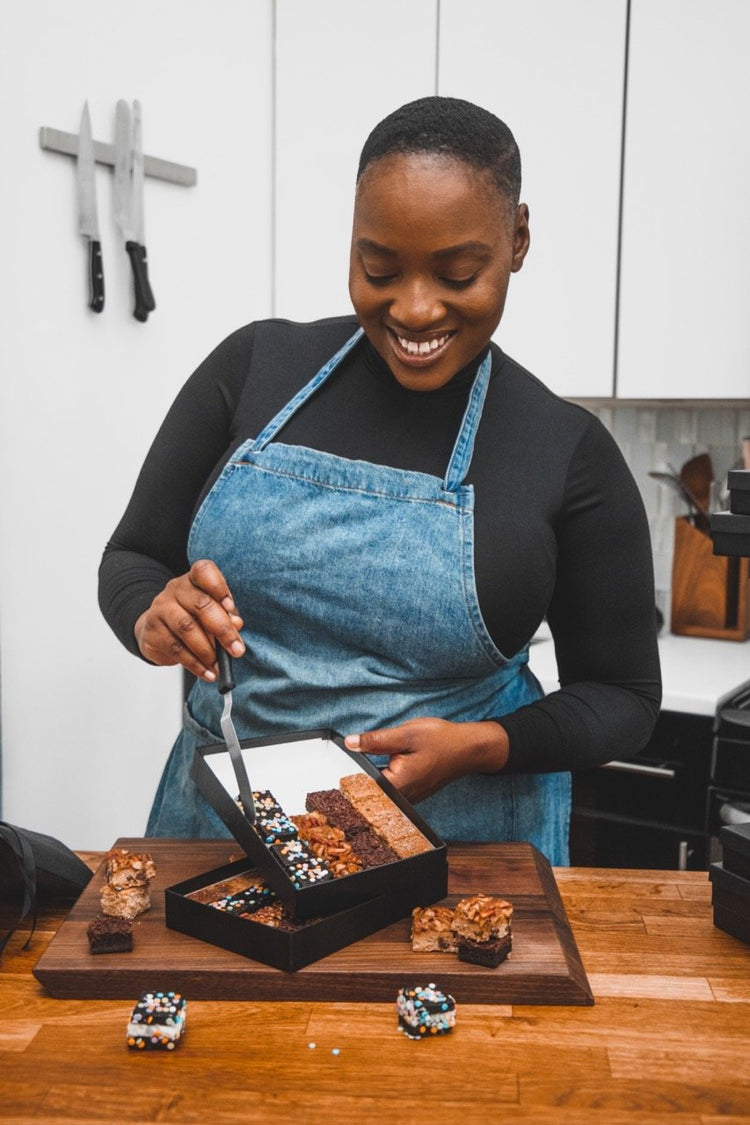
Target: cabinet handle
x=636 y=767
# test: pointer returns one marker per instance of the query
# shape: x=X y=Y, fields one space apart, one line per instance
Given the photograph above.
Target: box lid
x=739 y=479
x=736 y=837
x=735 y=885
x=291 y=765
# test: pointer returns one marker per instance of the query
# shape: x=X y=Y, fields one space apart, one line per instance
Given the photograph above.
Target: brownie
x=339 y=811
x=372 y=849
x=157 y=1021
x=489 y=953
x=226 y=888
x=245 y=902
x=107 y=934
x=424 y=1011
x=302 y=866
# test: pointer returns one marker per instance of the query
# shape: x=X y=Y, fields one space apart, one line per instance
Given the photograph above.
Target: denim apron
x=356 y=583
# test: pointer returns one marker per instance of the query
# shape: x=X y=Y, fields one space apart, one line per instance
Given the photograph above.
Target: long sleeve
x=149 y=545
x=602 y=617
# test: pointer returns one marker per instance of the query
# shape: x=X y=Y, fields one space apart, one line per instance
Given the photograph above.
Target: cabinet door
x=685 y=289
x=340 y=68
x=554 y=73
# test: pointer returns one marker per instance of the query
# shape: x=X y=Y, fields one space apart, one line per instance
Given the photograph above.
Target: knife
x=88 y=222
x=226 y=683
x=129 y=202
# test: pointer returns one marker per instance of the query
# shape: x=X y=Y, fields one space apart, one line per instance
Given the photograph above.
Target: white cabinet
x=554 y=72
x=685 y=288
x=340 y=68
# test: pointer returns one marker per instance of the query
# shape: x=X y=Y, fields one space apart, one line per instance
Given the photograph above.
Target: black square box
x=730 y=896
x=283 y=949
x=292 y=765
x=334 y=913
x=735 y=847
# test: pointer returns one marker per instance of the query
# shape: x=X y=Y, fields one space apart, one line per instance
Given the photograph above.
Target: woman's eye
x=458 y=282
x=378 y=279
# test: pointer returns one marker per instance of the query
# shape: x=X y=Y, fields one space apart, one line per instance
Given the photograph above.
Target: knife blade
x=88 y=221
x=225 y=685
x=129 y=204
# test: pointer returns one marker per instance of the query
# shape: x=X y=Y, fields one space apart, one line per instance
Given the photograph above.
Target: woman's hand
x=184 y=621
x=428 y=753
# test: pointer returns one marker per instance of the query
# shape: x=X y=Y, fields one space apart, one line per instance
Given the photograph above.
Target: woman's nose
x=417 y=305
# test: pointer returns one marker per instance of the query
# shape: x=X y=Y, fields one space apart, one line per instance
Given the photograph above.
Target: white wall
x=85 y=726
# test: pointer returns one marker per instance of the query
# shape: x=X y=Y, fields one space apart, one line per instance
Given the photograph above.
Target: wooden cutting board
x=544 y=968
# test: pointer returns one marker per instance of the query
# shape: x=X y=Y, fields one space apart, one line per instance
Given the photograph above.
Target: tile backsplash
x=659 y=435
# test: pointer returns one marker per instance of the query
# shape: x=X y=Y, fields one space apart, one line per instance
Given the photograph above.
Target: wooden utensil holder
x=710 y=593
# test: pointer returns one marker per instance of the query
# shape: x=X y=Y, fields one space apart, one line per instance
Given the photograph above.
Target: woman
x=374 y=513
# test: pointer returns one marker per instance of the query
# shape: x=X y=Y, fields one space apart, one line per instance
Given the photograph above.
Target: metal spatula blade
x=226 y=683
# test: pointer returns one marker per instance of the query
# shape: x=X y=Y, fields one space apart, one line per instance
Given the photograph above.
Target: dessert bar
x=431 y=930
x=425 y=1011
x=157 y=1021
x=110 y=935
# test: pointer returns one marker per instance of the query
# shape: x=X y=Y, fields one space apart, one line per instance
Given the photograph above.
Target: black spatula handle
x=226 y=675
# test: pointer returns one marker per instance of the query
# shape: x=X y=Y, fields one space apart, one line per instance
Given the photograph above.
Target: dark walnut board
x=544 y=968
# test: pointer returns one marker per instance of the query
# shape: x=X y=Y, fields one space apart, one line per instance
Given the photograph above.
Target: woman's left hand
x=426 y=754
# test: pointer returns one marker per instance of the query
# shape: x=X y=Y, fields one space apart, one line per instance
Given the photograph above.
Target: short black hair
x=449 y=127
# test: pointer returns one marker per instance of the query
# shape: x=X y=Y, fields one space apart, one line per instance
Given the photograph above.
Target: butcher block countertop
x=666 y=1041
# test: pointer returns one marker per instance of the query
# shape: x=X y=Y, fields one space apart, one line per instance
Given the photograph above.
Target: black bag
x=31 y=866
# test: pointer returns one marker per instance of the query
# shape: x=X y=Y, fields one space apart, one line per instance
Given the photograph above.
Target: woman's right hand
x=184 y=622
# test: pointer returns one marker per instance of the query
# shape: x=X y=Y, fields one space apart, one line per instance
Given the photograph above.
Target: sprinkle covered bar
x=424 y=1011
x=157 y=1022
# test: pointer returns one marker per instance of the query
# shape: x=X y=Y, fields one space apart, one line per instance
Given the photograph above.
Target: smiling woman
x=433 y=248
x=373 y=513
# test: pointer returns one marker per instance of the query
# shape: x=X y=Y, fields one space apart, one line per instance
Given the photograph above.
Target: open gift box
x=323 y=916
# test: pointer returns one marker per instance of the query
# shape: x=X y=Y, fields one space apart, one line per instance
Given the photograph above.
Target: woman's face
x=433 y=247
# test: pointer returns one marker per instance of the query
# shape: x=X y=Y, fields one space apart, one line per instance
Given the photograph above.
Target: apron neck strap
x=463 y=450
x=458 y=466
x=269 y=432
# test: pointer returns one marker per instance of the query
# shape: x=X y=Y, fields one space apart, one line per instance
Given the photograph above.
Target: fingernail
x=209 y=675
x=352 y=741
x=229 y=605
x=237 y=648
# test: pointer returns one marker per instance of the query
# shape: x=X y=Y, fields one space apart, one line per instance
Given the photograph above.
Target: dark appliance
x=650 y=810
x=729 y=788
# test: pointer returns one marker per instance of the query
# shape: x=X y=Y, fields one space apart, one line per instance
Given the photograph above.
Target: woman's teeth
x=424 y=348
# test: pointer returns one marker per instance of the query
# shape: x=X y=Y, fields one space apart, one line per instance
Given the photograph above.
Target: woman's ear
x=521 y=237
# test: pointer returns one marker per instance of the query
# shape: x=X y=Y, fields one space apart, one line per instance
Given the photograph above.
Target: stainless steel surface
x=55 y=140
x=88 y=222
x=136 y=202
x=235 y=753
x=636 y=767
x=123 y=181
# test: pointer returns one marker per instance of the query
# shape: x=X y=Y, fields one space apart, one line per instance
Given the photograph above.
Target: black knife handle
x=226 y=675
x=96 y=276
x=144 y=298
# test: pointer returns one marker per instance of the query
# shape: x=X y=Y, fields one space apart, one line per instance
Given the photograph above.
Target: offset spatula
x=226 y=683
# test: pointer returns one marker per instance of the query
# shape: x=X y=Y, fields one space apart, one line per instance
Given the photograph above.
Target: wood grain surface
x=544 y=967
x=667 y=1042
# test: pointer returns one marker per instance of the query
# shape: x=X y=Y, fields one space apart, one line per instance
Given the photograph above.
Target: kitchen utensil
x=129 y=202
x=697 y=475
x=672 y=479
x=88 y=222
x=226 y=683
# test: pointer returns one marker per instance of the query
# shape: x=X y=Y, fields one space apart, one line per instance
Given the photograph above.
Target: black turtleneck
x=559 y=524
